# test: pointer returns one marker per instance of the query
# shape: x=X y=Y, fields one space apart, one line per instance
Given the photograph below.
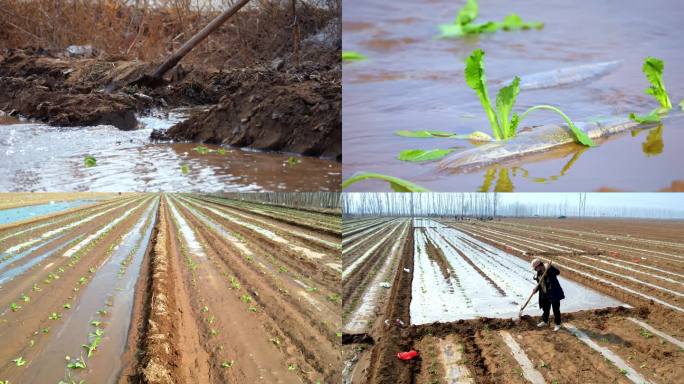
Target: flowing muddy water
x=113 y=288
x=31 y=211
x=37 y=157
x=414 y=81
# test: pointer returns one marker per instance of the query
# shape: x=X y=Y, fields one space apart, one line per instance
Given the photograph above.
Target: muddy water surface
x=36 y=157
x=414 y=81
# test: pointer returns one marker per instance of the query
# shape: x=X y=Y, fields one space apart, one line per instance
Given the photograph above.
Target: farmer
x=550 y=292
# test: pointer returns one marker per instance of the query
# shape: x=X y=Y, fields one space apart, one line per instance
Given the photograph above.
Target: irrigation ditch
x=171 y=288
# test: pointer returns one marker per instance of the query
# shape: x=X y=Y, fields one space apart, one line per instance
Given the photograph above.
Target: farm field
x=455 y=286
x=171 y=288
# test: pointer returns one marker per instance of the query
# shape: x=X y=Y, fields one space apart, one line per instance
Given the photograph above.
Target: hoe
x=534 y=290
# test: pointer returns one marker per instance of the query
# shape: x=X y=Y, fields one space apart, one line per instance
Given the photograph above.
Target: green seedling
x=25 y=298
x=252 y=309
x=646 y=334
x=90 y=348
x=67 y=306
x=19 y=361
x=353 y=56
x=504 y=124
x=89 y=161
x=312 y=289
x=419 y=155
x=623 y=371
x=36 y=288
x=221 y=151
x=292 y=161
x=335 y=298
x=653 y=69
x=91 y=269
x=465 y=25
x=275 y=341
x=282 y=269
x=82 y=280
x=96 y=323
x=213 y=332
x=204 y=309
x=211 y=319
x=15 y=307
x=227 y=364
x=54 y=316
x=234 y=282
x=77 y=363
x=97 y=333
x=397 y=184
x=185 y=169
x=201 y=149
x=292 y=367
x=246 y=298
x=338 y=334
x=45 y=330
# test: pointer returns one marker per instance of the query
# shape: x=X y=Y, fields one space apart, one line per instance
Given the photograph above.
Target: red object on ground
x=407 y=355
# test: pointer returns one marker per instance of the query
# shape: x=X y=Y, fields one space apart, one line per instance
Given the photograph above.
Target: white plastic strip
x=529 y=372
x=662 y=335
x=630 y=373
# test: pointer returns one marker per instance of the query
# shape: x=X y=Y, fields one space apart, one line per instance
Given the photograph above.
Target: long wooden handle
x=534 y=290
x=175 y=57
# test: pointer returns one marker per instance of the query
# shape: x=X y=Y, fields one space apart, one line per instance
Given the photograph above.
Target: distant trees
x=325 y=200
x=487 y=206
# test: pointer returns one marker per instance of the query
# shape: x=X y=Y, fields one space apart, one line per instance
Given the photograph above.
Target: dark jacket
x=551 y=289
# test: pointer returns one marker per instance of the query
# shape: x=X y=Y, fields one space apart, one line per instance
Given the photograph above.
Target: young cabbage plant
x=465 y=24
x=653 y=69
x=503 y=124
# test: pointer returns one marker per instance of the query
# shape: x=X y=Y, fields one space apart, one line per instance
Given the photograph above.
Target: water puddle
x=487 y=284
x=190 y=240
x=109 y=289
x=413 y=81
x=31 y=211
x=37 y=157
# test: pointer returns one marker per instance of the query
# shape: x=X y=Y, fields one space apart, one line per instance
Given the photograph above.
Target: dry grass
x=135 y=29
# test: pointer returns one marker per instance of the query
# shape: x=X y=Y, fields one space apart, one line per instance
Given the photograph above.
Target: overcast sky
x=670 y=201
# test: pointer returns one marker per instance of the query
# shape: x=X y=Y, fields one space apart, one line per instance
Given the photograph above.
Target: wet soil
x=189 y=321
x=559 y=357
x=280 y=108
x=269 y=110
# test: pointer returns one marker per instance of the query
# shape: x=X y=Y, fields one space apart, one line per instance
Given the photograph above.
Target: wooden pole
x=177 y=56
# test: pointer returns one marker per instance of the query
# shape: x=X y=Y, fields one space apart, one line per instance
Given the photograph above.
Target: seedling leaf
x=397 y=184
x=185 y=169
x=653 y=69
x=580 y=135
x=89 y=161
x=505 y=100
x=19 y=361
x=419 y=155
x=652 y=117
x=475 y=78
x=514 y=22
x=353 y=56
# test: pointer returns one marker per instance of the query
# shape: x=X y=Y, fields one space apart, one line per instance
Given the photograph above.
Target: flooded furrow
x=111 y=289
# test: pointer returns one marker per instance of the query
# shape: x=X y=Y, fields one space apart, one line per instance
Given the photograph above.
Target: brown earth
x=286 y=104
x=270 y=110
x=190 y=320
x=559 y=357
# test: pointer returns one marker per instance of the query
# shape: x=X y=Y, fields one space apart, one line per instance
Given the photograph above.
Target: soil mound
x=262 y=108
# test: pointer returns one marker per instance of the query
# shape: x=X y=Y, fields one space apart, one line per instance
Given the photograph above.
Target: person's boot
x=543 y=324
